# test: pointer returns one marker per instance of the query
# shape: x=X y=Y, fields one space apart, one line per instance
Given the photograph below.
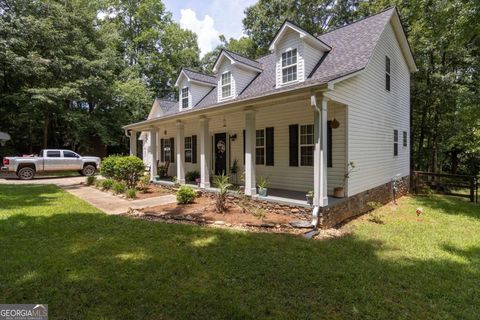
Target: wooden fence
x=450 y=184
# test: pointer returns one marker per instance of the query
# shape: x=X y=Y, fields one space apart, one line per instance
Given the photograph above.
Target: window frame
x=167 y=149
x=306 y=145
x=285 y=67
x=224 y=85
x=395 y=143
x=190 y=149
x=388 y=73
x=260 y=147
x=75 y=155
x=185 y=98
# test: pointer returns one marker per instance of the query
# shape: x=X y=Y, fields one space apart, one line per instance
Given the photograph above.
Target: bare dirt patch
x=153 y=191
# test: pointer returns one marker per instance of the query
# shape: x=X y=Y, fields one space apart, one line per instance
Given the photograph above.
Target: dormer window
x=185 y=98
x=289 y=66
x=226 y=85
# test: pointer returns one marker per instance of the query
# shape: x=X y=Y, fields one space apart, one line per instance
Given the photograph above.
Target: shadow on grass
x=91 y=266
x=450 y=205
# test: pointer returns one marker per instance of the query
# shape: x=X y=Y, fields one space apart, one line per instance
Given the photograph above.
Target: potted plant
x=339 y=192
x=262 y=185
x=162 y=171
x=193 y=176
x=309 y=196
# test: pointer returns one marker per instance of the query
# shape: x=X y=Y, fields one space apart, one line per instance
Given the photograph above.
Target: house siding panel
x=373 y=114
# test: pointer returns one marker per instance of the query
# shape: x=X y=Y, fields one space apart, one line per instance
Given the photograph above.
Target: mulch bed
x=153 y=191
x=202 y=212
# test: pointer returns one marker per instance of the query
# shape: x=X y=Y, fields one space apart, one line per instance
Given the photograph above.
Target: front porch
x=288 y=142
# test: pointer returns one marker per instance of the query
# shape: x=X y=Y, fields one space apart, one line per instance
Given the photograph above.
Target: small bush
x=143 y=183
x=107 y=184
x=192 y=175
x=98 y=183
x=129 y=170
x=107 y=167
x=131 y=193
x=91 y=180
x=119 y=187
x=186 y=195
x=223 y=184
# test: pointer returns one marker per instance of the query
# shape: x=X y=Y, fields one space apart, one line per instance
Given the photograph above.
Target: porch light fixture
x=224 y=122
x=233 y=137
x=165 y=132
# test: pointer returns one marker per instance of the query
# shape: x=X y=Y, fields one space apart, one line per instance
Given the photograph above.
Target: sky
x=209 y=19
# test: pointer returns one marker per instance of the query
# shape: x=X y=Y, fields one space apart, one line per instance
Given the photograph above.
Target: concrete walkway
x=104 y=201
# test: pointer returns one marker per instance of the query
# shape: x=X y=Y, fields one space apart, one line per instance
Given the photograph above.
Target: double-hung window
x=289 y=66
x=387 y=73
x=185 y=98
x=188 y=149
x=306 y=145
x=167 y=150
x=226 y=83
x=395 y=142
x=260 y=147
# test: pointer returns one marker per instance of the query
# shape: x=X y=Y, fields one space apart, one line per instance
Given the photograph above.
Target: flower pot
x=309 y=199
x=197 y=181
x=339 y=192
x=262 y=192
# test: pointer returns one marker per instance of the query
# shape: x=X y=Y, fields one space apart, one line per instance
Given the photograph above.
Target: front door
x=220 y=153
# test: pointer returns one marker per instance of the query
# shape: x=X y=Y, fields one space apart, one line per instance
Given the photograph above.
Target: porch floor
x=281 y=196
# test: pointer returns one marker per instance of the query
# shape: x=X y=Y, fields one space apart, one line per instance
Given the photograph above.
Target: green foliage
x=222 y=182
x=91 y=180
x=192 y=175
x=129 y=169
x=143 y=183
x=119 y=187
x=186 y=194
x=131 y=193
x=107 y=167
x=262 y=182
x=107 y=184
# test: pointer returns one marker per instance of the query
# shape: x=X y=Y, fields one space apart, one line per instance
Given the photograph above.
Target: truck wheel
x=26 y=173
x=88 y=170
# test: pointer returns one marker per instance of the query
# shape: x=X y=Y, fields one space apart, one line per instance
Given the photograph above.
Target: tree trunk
x=46 y=123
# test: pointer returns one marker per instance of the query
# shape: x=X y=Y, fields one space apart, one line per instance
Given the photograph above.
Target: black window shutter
x=162 y=154
x=269 y=146
x=194 y=149
x=329 y=144
x=243 y=146
x=172 y=150
x=293 y=137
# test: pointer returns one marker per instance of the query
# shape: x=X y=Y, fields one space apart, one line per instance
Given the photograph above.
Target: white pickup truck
x=50 y=160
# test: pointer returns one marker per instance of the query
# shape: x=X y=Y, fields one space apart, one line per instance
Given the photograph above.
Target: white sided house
x=297 y=117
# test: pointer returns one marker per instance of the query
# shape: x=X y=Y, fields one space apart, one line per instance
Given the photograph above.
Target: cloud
x=205 y=29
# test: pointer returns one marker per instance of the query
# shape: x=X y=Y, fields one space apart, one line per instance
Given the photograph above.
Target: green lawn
x=57 y=249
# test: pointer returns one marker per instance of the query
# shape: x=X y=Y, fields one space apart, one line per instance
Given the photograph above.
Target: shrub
x=119 y=187
x=131 y=193
x=192 y=175
x=98 y=183
x=223 y=184
x=107 y=167
x=143 y=183
x=107 y=184
x=186 y=195
x=91 y=180
x=129 y=170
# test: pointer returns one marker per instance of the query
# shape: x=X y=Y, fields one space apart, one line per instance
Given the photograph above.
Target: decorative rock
x=301 y=224
x=310 y=234
x=267 y=225
x=295 y=210
x=219 y=223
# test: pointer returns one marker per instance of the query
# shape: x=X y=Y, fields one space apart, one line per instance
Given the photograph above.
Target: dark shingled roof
x=167 y=106
x=198 y=76
x=352 y=46
x=242 y=59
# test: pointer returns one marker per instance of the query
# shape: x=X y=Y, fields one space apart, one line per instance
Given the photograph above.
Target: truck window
x=53 y=154
x=70 y=154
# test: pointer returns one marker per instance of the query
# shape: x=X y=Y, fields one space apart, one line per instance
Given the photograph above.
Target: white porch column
x=180 y=144
x=153 y=151
x=320 y=153
x=205 y=153
x=133 y=142
x=250 y=185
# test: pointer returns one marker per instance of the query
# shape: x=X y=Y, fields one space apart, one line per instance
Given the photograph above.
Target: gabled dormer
x=192 y=87
x=297 y=52
x=234 y=73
